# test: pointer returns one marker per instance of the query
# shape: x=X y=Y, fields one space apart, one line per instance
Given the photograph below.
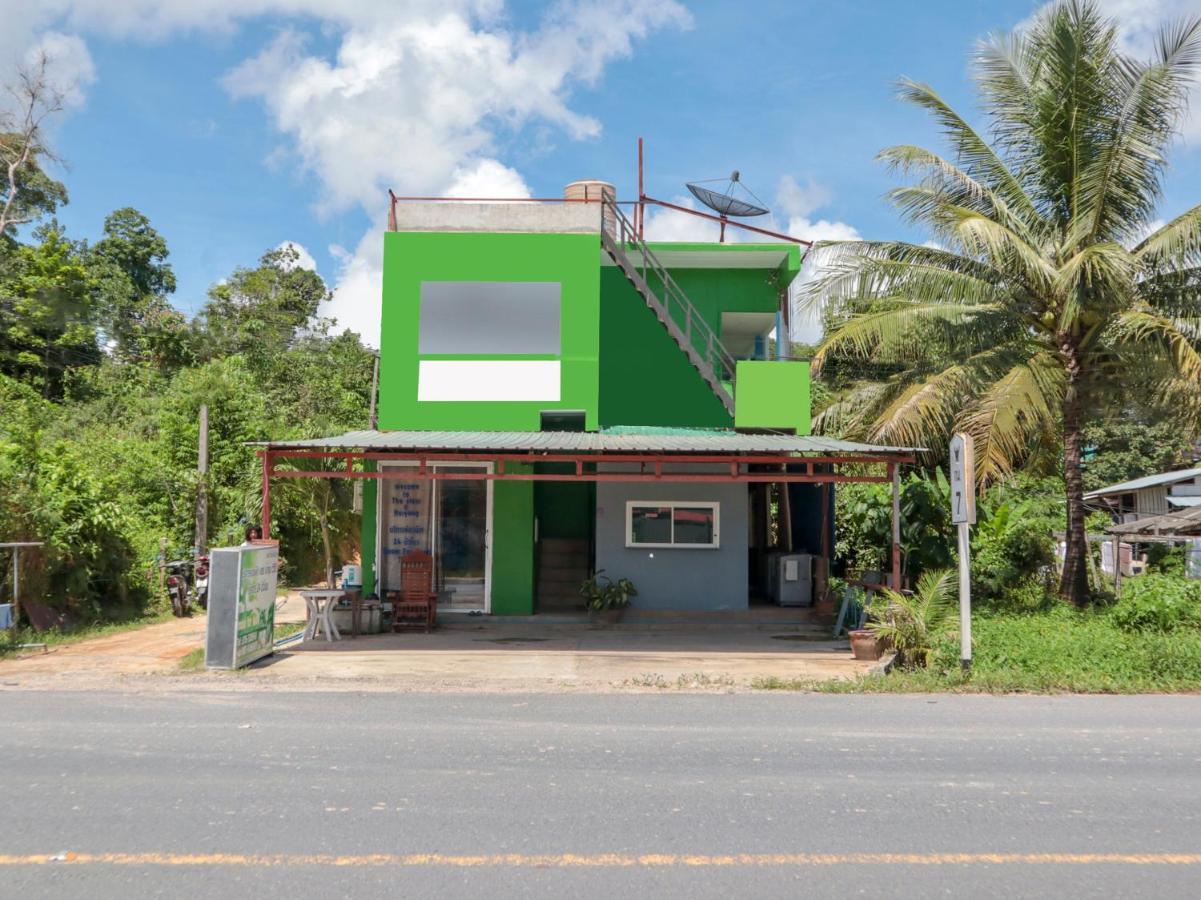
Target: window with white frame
x=672 y=524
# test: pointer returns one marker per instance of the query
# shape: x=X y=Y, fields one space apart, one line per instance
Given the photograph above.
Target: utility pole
x=372 y=420
x=373 y=424
x=963 y=514
x=202 y=469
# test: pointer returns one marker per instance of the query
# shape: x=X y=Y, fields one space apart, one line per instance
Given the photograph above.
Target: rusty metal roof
x=612 y=440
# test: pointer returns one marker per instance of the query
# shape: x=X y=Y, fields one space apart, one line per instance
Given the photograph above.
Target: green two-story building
x=558 y=397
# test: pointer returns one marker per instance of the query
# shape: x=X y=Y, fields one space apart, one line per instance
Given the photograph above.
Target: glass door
x=461 y=539
x=449 y=518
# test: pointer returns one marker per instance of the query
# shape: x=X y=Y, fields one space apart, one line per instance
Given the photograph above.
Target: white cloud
x=69 y=67
x=304 y=259
x=486 y=178
x=357 y=295
x=799 y=203
x=416 y=95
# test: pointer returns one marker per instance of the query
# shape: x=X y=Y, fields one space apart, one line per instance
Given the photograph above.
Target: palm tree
x=1049 y=282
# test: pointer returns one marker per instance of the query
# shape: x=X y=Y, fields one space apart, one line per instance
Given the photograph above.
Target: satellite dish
x=726 y=204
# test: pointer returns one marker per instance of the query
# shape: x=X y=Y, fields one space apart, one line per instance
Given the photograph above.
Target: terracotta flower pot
x=606 y=616
x=865 y=645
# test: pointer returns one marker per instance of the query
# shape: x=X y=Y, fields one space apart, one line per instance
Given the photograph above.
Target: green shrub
x=912 y=623
x=1158 y=603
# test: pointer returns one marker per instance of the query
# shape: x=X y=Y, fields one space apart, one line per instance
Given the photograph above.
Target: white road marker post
x=963 y=514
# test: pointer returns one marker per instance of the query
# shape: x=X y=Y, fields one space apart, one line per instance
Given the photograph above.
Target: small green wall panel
x=772 y=394
x=413 y=257
x=513 y=547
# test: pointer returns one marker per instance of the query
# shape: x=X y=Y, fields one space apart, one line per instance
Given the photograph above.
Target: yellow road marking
x=601 y=860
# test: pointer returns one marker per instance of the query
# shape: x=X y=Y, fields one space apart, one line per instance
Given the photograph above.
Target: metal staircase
x=670 y=305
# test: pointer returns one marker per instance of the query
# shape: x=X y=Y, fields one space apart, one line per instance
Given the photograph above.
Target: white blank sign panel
x=487 y=380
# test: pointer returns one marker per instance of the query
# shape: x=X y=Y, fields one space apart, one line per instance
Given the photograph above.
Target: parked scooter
x=201 y=589
x=179 y=588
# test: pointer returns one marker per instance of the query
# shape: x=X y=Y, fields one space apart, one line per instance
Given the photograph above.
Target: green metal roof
x=624 y=439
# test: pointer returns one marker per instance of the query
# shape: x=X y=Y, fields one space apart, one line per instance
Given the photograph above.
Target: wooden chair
x=415 y=605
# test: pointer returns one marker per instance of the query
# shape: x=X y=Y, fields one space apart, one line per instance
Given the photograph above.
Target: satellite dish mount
x=726 y=204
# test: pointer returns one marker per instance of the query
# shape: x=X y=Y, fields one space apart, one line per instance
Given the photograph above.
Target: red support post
x=894 y=473
x=266 y=494
x=640 y=209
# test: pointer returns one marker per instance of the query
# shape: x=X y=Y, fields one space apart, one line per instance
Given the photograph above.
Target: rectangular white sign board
x=241 y=614
x=963 y=480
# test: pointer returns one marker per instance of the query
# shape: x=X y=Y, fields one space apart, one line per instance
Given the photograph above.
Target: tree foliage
x=101 y=384
x=1048 y=283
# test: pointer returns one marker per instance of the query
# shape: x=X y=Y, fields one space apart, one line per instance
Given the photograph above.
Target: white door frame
x=379 y=524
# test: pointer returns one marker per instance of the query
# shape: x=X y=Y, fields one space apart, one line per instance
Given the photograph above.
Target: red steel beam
x=437 y=456
x=421 y=473
x=724 y=222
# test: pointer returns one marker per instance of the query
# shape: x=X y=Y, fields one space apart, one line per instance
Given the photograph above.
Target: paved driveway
x=473 y=655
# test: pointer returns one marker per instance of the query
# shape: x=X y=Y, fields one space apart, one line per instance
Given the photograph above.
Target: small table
x=320 y=603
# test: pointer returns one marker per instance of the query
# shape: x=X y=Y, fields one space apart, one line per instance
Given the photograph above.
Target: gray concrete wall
x=676 y=578
x=528 y=218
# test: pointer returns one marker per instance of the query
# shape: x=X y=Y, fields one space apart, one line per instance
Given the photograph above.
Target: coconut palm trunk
x=1073 y=585
x=1049 y=285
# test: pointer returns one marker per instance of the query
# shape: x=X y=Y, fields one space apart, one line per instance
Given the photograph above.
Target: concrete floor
x=494 y=654
x=465 y=654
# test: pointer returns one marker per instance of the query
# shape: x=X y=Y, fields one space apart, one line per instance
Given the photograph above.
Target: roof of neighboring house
x=1137 y=484
x=626 y=439
x=1173 y=500
x=1186 y=522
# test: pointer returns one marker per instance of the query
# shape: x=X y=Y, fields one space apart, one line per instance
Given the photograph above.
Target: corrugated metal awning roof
x=1146 y=482
x=614 y=440
x=1185 y=522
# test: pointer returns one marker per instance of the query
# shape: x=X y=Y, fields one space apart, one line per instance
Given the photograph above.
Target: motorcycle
x=179 y=576
x=201 y=588
x=188 y=584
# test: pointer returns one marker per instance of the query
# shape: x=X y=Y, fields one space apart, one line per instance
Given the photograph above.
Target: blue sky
x=236 y=126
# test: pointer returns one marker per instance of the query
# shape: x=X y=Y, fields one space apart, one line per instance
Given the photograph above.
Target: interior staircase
x=562 y=566
x=670 y=304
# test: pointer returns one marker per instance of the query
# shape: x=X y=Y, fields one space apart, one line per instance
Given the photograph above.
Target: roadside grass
x=194 y=661
x=1056 y=650
x=11 y=645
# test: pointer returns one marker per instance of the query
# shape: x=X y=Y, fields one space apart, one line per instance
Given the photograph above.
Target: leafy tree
x=263 y=311
x=1046 y=286
x=1120 y=449
x=46 y=321
x=27 y=193
x=132 y=281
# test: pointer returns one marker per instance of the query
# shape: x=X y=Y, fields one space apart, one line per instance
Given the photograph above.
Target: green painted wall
x=714 y=291
x=645 y=379
x=513 y=547
x=413 y=257
x=772 y=394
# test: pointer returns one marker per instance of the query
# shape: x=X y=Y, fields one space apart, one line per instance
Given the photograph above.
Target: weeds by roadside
x=1058 y=650
x=690 y=681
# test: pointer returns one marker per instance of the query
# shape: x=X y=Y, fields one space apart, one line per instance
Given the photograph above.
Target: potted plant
x=605 y=599
x=865 y=645
x=912 y=623
x=827 y=603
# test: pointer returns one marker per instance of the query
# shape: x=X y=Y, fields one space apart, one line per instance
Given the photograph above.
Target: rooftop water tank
x=592 y=189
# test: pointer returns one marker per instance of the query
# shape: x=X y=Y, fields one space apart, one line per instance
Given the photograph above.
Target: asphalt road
x=323 y=795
